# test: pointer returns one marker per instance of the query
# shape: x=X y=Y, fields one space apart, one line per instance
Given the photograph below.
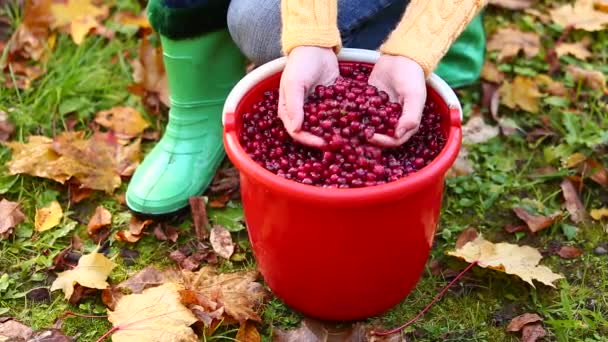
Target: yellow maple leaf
x=155 y=315
x=48 y=217
x=580 y=15
x=80 y=15
x=125 y=122
x=521 y=261
x=510 y=41
x=92 y=271
x=599 y=214
x=522 y=92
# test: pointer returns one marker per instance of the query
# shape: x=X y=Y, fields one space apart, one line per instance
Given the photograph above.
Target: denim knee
x=255 y=27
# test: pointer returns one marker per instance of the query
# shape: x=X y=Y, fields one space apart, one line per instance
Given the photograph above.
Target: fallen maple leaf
x=13 y=330
x=48 y=217
x=476 y=131
x=101 y=218
x=512 y=4
x=580 y=15
x=594 y=79
x=125 y=122
x=127 y=236
x=238 y=292
x=129 y=19
x=7 y=128
x=599 y=214
x=96 y=163
x=532 y=332
x=536 y=223
x=31 y=39
x=511 y=41
x=10 y=216
x=579 y=50
x=317 y=331
x=248 y=333
x=146 y=278
x=466 y=236
x=137 y=226
x=491 y=73
x=551 y=86
x=462 y=165
x=92 y=271
x=521 y=261
x=569 y=252
x=573 y=204
x=221 y=241
x=149 y=72
x=154 y=315
x=517 y=323
x=79 y=15
x=521 y=93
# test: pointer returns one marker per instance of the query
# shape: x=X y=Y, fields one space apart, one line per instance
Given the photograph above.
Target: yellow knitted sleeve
x=309 y=22
x=428 y=29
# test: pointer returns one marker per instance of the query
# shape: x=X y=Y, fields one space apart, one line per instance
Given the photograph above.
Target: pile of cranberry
x=345 y=114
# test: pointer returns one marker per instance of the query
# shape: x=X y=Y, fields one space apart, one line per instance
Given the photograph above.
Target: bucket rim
x=417 y=181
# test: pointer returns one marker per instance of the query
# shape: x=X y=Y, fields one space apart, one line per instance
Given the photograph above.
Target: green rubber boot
x=462 y=64
x=201 y=72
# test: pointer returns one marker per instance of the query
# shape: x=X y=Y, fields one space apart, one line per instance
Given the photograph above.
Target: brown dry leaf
x=7 y=128
x=101 y=218
x=537 y=223
x=512 y=4
x=580 y=15
x=542 y=16
x=312 y=330
x=476 y=131
x=31 y=39
x=125 y=122
x=238 y=293
x=137 y=226
x=13 y=330
x=23 y=73
x=491 y=73
x=532 y=332
x=146 y=278
x=199 y=216
x=92 y=271
x=510 y=41
x=599 y=214
x=521 y=93
x=462 y=165
x=574 y=205
x=221 y=241
x=518 y=322
x=81 y=16
x=111 y=296
x=149 y=72
x=596 y=171
x=601 y=5
x=521 y=261
x=594 y=79
x=156 y=314
x=96 y=163
x=127 y=236
x=551 y=86
x=10 y=216
x=78 y=193
x=48 y=217
x=248 y=333
x=579 y=50
x=466 y=236
x=569 y=252
x=574 y=160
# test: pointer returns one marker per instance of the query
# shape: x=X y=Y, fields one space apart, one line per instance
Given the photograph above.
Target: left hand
x=404 y=81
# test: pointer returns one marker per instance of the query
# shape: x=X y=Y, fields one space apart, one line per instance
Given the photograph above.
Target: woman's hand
x=307 y=67
x=404 y=81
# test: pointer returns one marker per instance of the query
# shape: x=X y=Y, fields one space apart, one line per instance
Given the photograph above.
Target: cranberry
x=346 y=115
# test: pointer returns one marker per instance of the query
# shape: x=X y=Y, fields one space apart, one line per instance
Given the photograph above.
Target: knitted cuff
x=187 y=22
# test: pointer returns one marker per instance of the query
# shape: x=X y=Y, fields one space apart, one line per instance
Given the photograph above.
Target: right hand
x=307 y=67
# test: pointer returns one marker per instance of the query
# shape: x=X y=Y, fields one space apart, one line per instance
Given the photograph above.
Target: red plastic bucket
x=339 y=254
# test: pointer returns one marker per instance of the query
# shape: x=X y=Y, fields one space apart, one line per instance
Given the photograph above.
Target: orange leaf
x=536 y=223
x=569 y=252
x=137 y=226
x=100 y=219
x=248 y=333
x=149 y=71
x=125 y=122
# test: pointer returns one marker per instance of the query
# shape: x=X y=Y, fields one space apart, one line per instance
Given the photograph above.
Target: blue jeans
x=255 y=25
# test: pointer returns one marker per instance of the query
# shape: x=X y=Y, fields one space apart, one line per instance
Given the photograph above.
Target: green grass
x=81 y=80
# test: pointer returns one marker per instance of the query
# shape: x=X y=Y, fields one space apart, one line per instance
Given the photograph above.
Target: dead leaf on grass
x=129 y=19
x=535 y=222
x=521 y=261
x=111 y=296
x=513 y=4
x=91 y=272
x=79 y=17
x=511 y=41
x=476 y=131
x=146 y=278
x=522 y=93
x=594 y=79
x=149 y=72
x=48 y=217
x=13 y=330
x=599 y=214
x=466 y=236
x=579 y=50
x=7 y=128
x=31 y=39
x=125 y=122
x=248 y=333
x=520 y=321
x=580 y=15
x=462 y=165
x=127 y=236
x=491 y=73
x=10 y=216
x=549 y=85
x=101 y=218
x=314 y=330
x=221 y=241
x=137 y=226
x=569 y=252
x=574 y=205
x=156 y=314
x=199 y=216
